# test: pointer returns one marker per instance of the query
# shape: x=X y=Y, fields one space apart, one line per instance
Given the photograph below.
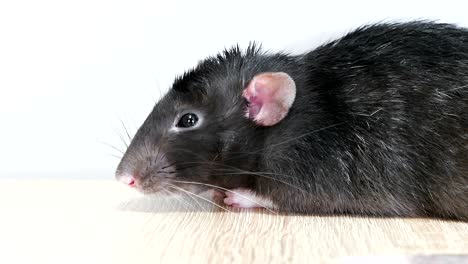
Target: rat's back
x=398 y=95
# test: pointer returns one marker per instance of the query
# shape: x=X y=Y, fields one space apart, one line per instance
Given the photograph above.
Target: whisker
x=163 y=156
x=289 y=140
x=115 y=156
x=165 y=167
x=148 y=152
x=121 y=138
x=200 y=197
x=109 y=145
x=195 y=200
x=126 y=130
x=456 y=88
x=215 y=157
x=186 y=167
x=181 y=200
x=270 y=178
x=241 y=171
x=166 y=172
x=157 y=159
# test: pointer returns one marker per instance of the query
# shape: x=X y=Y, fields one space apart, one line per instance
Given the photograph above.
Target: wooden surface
x=47 y=221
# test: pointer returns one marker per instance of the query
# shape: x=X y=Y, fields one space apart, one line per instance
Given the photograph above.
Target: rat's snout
x=127 y=179
x=147 y=174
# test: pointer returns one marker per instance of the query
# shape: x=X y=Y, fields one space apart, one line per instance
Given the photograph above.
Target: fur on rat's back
x=395 y=97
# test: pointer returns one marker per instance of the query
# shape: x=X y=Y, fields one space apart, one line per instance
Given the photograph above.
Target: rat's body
x=378 y=126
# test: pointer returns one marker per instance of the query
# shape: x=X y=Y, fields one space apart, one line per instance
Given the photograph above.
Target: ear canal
x=270 y=96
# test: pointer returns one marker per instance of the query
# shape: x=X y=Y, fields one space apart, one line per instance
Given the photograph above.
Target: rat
x=373 y=123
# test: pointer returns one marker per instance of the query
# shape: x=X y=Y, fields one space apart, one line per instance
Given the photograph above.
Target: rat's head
x=212 y=114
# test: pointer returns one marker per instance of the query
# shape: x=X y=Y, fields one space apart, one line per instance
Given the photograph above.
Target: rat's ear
x=270 y=96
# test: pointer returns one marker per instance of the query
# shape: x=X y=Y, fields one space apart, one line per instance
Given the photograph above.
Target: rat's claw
x=243 y=198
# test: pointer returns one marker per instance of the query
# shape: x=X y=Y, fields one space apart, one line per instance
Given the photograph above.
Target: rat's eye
x=187 y=120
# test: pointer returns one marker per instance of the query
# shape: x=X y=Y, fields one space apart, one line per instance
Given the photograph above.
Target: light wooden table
x=65 y=221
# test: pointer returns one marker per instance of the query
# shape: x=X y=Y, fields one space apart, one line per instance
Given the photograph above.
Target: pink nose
x=127 y=179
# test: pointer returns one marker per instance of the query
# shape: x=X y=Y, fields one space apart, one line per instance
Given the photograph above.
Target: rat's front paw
x=243 y=198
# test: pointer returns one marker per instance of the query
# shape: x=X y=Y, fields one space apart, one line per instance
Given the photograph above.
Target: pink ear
x=270 y=96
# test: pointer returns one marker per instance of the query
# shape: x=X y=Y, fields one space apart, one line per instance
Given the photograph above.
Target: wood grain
x=54 y=221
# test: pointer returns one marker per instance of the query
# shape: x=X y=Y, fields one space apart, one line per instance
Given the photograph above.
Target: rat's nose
x=127 y=179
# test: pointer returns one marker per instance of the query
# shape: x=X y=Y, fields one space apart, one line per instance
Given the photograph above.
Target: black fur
x=379 y=126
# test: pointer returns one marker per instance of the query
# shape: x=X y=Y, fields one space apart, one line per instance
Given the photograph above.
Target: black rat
x=374 y=123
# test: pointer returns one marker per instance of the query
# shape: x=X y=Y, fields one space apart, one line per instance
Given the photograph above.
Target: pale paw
x=243 y=198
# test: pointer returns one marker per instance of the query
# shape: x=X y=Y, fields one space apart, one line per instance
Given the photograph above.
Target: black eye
x=188 y=120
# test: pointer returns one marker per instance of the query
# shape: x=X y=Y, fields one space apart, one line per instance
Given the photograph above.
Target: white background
x=70 y=70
